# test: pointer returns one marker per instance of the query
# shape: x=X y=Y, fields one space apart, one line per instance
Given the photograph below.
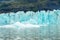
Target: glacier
x=39 y=17
x=40 y=25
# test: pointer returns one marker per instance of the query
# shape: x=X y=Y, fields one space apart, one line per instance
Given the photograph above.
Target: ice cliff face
x=39 y=17
x=40 y=25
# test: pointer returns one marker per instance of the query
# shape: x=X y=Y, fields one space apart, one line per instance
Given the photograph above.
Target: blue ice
x=39 y=17
x=40 y=24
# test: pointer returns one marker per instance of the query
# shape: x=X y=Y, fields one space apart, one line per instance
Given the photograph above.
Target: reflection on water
x=30 y=25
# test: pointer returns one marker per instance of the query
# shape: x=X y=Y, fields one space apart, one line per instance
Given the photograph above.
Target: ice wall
x=39 y=17
x=40 y=25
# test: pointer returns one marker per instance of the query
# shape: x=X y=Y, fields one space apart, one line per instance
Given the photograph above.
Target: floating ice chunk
x=22 y=25
x=28 y=25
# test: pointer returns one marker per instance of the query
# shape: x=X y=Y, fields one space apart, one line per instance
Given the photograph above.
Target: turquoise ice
x=40 y=25
x=39 y=17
